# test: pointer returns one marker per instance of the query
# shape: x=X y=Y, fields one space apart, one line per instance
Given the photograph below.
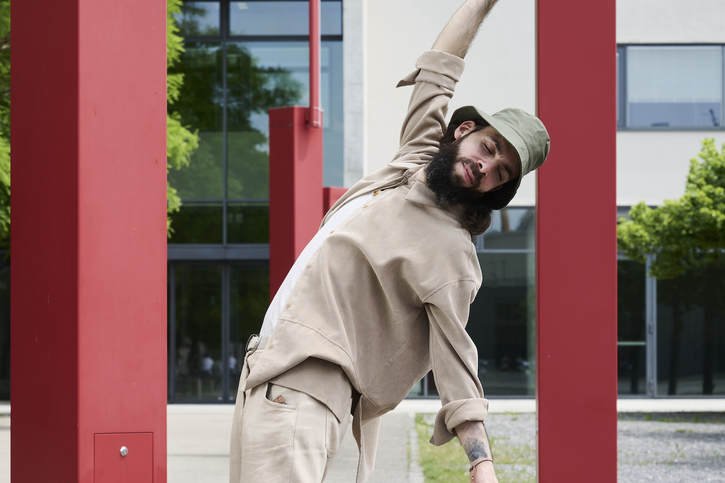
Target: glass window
x=201 y=105
x=197 y=223
x=249 y=297
x=502 y=324
x=262 y=75
x=248 y=223
x=282 y=18
x=691 y=333
x=197 y=326
x=511 y=228
x=631 y=343
x=674 y=86
x=199 y=19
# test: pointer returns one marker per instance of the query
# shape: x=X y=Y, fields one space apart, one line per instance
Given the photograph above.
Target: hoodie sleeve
x=454 y=359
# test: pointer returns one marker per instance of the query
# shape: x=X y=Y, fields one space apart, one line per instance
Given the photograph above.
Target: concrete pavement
x=198 y=438
x=198 y=448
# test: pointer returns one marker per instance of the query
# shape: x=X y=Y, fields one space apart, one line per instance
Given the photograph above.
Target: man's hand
x=474 y=440
x=459 y=32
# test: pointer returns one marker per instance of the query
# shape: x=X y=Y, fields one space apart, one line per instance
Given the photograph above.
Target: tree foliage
x=4 y=121
x=180 y=141
x=687 y=233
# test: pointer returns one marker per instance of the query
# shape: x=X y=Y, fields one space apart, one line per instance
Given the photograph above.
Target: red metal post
x=576 y=243
x=295 y=188
x=315 y=107
x=89 y=371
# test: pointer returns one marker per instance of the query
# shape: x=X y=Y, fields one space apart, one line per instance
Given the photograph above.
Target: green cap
x=525 y=132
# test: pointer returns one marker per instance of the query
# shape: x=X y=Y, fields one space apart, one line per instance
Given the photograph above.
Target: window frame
x=622 y=91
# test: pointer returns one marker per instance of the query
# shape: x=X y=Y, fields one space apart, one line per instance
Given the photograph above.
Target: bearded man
x=382 y=293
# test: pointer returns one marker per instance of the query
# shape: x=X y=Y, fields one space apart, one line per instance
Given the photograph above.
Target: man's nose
x=483 y=167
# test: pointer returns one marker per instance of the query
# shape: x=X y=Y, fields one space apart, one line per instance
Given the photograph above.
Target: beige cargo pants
x=281 y=443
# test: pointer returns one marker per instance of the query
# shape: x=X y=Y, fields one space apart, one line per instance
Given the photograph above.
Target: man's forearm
x=461 y=29
x=474 y=439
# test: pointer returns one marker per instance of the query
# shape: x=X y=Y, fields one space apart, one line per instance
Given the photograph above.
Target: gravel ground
x=651 y=447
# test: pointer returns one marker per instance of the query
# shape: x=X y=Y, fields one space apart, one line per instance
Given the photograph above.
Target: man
x=381 y=295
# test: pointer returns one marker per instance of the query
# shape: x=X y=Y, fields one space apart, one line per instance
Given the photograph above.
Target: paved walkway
x=198 y=447
x=198 y=438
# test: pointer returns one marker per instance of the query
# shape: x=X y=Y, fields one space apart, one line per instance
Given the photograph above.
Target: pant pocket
x=281 y=396
x=267 y=438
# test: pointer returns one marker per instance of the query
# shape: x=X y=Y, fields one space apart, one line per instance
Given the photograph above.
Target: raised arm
x=461 y=29
x=435 y=78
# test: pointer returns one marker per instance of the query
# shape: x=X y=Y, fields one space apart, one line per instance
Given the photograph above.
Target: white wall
x=673 y=21
x=353 y=72
x=499 y=67
x=652 y=166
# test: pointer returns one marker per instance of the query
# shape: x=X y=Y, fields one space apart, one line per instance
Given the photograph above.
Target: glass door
x=213 y=309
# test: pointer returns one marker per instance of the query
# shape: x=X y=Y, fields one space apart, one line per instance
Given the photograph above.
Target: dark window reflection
x=198 y=312
x=199 y=19
x=200 y=106
x=259 y=77
x=248 y=223
x=511 y=228
x=631 y=327
x=691 y=333
x=502 y=324
x=249 y=297
x=264 y=75
x=282 y=18
x=197 y=224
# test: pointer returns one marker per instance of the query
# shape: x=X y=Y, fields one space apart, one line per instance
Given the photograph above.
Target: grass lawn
x=449 y=464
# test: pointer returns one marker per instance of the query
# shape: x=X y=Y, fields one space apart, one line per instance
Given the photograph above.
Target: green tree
x=4 y=122
x=181 y=142
x=686 y=236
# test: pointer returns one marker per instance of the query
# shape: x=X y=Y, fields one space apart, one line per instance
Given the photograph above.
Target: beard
x=442 y=180
x=475 y=212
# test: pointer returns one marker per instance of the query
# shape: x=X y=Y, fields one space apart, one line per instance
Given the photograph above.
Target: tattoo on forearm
x=477 y=447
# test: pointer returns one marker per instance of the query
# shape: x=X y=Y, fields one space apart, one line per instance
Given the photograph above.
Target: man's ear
x=463 y=128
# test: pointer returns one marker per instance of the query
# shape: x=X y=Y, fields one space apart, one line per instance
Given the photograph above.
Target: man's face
x=478 y=162
x=485 y=160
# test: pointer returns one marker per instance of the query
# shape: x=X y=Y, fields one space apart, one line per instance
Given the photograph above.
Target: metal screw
x=124 y=451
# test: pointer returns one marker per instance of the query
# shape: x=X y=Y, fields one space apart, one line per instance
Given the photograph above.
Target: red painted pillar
x=330 y=195
x=88 y=243
x=295 y=188
x=576 y=243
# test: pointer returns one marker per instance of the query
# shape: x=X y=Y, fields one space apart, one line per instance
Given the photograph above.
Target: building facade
x=242 y=58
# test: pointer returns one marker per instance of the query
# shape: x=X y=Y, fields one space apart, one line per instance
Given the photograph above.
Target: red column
x=88 y=241
x=295 y=188
x=330 y=195
x=576 y=243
